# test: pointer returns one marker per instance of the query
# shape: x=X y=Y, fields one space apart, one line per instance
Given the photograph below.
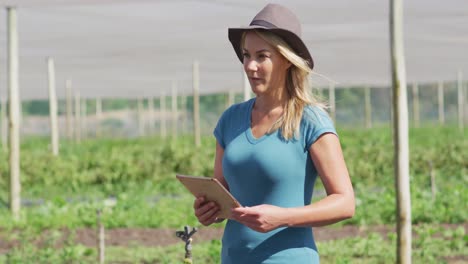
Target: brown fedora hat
x=280 y=21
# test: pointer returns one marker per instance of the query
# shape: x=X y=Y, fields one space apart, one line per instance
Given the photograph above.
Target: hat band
x=262 y=23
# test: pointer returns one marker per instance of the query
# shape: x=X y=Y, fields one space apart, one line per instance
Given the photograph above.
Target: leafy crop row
x=138 y=176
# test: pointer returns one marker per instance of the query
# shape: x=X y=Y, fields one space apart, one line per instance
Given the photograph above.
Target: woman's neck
x=271 y=101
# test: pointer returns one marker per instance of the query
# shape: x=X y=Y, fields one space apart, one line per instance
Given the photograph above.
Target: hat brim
x=235 y=35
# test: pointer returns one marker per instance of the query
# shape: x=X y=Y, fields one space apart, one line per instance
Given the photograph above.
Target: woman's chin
x=257 y=90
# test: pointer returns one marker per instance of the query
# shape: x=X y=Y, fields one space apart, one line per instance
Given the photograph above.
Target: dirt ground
x=161 y=237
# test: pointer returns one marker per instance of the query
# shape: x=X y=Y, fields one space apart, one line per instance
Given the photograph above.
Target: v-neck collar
x=249 y=134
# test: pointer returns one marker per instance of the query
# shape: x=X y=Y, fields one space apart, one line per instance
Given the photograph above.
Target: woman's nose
x=250 y=65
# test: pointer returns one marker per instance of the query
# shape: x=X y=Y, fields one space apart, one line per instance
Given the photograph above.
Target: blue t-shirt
x=269 y=170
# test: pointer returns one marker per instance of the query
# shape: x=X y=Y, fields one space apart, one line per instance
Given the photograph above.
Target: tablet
x=213 y=190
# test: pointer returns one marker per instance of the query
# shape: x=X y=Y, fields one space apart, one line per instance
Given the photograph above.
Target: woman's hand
x=262 y=218
x=206 y=211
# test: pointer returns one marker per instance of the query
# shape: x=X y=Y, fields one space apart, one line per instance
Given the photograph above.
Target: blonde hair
x=297 y=87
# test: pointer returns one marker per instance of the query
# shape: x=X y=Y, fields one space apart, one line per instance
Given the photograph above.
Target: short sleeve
x=220 y=129
x=316 y=122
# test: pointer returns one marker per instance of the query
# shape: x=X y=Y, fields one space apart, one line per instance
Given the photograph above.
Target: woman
x=271 y=148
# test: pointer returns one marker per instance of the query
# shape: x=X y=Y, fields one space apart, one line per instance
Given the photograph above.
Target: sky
x=140 y=48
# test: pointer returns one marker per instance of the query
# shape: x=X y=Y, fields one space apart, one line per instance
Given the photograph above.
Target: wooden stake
x=461 y=100
x=416 y=112
x=247 y=89
x=440 y=97
x=196 y=104
x=150 y=115
x=77 y=117
x=319 y=92
x=465 y=102
x=141 y=121
x=392 y=119
x=84 y=118
x=54 y=133
x=368 y=107
x=184 y=113
x=400 y=134
x=231 y=98
x=14 y=113
x=162 y=118
x=98 y=116
x=3 y=117
x=174 y=109
x=331 y=99
x=69 y=103
x=101 y=238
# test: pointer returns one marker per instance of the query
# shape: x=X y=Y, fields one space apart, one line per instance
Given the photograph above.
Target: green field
x=132 y=181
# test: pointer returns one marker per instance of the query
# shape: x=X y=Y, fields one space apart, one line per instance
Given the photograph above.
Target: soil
x=162 y=237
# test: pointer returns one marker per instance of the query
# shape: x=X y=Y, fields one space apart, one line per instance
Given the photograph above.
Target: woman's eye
x=245 y=55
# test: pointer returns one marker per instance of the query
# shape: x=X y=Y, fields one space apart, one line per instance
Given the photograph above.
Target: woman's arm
x=339 y=204
x=328 y=159
x=207 y=211
x=218 y=166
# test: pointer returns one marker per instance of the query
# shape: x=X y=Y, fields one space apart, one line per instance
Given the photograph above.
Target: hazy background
x=137 y=48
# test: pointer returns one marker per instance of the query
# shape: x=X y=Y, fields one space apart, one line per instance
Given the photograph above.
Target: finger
x=245 y=211
x=213 y=218
x=209 y=217
x=204 y=208
x=237 y=215
x=198 y=202
x=246 y=219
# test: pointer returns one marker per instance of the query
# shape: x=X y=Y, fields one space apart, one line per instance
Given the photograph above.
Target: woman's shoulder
x=244 y=105
x=315 y=122
x=239 y=107
x=316 y=115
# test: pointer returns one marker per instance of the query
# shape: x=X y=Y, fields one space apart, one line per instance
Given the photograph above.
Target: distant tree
x=35 y=107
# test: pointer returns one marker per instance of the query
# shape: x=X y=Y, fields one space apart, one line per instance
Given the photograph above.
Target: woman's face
x=266 y=68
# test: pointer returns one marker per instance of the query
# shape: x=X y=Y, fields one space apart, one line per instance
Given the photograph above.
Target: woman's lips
x=254 y=79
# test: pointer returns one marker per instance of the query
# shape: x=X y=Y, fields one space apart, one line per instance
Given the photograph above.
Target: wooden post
x=461 y=100
x=77 y=117
x=14 y=113
x=150 y=115
x=231 y=98
x=101 y=238
x=368 y=107
x=465 y=101
x=184 y=113
x=174 y=109
x=440 y=99
x=319 y=92
x=331 y=100
x=391 y=107
x=54 y=133
x=98 y=116
x=69 y=106
x=141 y=121
x=196 y=104
x=162 y=118
x=400 y=134
x=84 y=118
x=416 y=115
x=247 y=89
x=4 y=125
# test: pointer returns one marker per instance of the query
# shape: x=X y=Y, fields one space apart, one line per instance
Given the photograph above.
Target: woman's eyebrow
x=262 y=50
x=259 y=51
